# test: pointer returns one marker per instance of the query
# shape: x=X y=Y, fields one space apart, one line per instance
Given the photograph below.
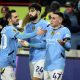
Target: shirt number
x=3 y=41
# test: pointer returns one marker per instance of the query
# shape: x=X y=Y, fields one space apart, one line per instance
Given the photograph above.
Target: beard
x=32 y=18
x=15 y=24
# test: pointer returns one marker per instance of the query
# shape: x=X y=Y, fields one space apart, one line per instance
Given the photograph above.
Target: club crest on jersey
x=33 y=28
x=52 y=33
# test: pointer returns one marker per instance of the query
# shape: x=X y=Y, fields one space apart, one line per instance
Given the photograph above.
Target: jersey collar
x=58 y=27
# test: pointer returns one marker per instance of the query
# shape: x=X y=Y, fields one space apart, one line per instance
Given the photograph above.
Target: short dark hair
x=36 y=6
x=9 y=15
x=59 y=14
x=62 y=16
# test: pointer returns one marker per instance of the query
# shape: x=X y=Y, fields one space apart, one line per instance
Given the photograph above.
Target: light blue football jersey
x=9 y=45
x=55 y=52
x=37 y=52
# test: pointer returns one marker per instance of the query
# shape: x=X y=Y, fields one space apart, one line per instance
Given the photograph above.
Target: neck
x=10 y=24
x=56 y=27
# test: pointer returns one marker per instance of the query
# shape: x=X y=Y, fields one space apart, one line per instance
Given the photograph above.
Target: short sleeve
x=67 y=33
x=12 y=32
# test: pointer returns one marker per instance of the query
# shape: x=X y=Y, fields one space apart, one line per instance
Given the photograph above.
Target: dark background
x=42 y=2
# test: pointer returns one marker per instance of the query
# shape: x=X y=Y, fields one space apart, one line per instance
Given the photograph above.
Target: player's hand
x=61 y=42
x=41 y=32
x=24 y=43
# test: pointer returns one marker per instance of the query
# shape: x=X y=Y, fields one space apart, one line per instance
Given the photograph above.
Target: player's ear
x=9 y=19
x=60 y=20
x=38 y=12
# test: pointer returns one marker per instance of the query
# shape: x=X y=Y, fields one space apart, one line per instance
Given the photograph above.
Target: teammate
x=57 y=41
x=37 y=53
x=9 y=45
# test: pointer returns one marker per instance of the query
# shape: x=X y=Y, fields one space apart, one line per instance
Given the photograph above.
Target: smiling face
x=55 y=20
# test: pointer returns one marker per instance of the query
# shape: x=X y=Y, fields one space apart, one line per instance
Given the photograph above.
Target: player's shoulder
x=11 y=29
x=65 y=28
x=49 y=27
x=44 y=21
x=5 y=29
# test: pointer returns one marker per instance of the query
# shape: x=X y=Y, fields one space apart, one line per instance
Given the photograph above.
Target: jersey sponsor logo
x=58 y=33
x=52 y=33
x=52 y=41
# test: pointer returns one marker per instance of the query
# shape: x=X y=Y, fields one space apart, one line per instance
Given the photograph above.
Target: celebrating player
x=57 y=41
x=9 y=45
x=37 y=50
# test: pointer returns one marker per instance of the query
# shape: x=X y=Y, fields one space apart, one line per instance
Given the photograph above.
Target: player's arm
x=22 y=43
x=35 y=45
x=25 y=36
x=29 y=35
x=38 y=45
x=65 y=43
x=13 y=33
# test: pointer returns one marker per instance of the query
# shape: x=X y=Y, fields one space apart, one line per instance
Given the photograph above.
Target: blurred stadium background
x=23 y=10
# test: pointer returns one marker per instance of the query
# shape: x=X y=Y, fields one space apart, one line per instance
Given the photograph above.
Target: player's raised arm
x=29 y=35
